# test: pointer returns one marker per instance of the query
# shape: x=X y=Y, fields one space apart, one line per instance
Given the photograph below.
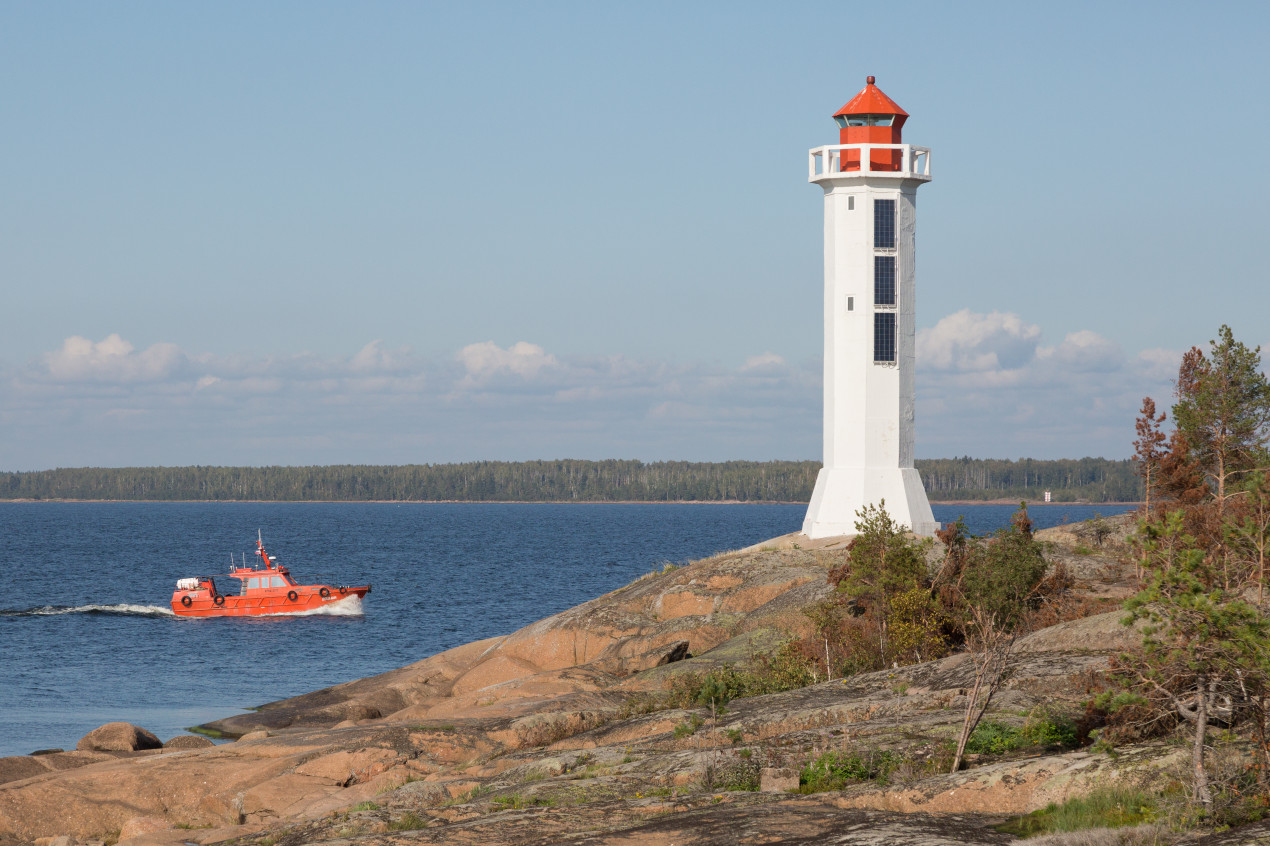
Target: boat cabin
x=262 y=581
x=269 y=577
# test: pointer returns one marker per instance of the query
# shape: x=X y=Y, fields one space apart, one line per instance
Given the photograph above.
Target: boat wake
x=121 y=610
x=348 y=607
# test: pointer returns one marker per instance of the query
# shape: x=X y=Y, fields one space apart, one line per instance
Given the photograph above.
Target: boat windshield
x=263 y=582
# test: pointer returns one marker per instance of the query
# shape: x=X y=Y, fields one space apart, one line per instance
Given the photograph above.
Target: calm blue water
x=86 y=635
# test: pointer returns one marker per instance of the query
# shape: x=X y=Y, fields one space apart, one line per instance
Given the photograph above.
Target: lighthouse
x=870 y=179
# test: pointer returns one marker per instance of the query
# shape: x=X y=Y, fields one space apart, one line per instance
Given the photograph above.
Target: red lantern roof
x=871 y=101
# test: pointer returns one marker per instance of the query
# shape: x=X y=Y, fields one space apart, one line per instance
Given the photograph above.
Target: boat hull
x=294 y=600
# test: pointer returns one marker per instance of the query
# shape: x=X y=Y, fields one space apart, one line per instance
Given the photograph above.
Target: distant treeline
x=1086 y=479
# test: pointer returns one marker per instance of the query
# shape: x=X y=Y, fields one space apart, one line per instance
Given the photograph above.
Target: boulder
x=188 y=741
x=118 y=737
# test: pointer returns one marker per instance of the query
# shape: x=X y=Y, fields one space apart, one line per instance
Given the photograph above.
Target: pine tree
x=1223 y=410
x=1200 y=646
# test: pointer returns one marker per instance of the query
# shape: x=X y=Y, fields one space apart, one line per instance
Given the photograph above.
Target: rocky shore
x=549 y=735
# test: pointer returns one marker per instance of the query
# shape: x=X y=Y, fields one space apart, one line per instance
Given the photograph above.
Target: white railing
x=827 y=161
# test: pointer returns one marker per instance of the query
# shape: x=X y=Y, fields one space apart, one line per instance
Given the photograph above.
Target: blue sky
x=311 y=233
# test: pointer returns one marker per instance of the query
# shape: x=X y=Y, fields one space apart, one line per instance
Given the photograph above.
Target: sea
x=87 y=635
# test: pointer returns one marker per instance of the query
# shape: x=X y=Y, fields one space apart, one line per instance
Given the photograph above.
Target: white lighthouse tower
x=870 y=179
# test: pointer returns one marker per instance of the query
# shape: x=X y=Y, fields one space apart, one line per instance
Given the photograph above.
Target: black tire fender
x=292 y=595
x=186 y=601
x=218 y=599
x=325 y=591
x=343 y=589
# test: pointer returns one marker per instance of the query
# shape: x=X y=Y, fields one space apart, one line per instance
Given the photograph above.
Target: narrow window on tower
x=884 y=336
x=884 y=224
x=850 y=202
x=884 y=280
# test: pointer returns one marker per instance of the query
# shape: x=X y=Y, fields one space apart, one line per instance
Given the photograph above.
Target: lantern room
x=871 y=117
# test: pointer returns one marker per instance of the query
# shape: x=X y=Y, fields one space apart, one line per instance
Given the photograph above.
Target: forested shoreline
x=1068 y=480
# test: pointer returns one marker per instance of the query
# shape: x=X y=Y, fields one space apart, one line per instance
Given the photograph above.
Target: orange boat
x=267 y=589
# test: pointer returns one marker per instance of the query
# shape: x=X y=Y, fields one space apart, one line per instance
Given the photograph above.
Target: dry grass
x=1150 y=834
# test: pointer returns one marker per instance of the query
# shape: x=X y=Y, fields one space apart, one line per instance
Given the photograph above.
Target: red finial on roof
x=870 y=80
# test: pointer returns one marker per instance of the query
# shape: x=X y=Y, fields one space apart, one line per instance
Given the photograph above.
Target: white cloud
x=1157 y=364
x=1085 y=352
x=373 y=358
x=987 y=387
x=767 y=362
x=967 y=341
x=112 y=360
x=521 y=359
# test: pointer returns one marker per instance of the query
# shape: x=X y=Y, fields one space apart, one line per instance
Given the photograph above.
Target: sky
x=293 y=233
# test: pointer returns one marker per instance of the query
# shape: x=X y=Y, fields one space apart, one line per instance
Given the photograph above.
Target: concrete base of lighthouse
x=842 y=491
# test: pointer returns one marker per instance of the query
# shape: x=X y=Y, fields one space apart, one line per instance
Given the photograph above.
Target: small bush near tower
x=888 y=608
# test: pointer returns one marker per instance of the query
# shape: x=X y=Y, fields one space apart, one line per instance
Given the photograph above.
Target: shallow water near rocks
x=87 y=635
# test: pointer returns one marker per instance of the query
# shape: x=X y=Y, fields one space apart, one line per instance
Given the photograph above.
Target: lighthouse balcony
x=896 y=161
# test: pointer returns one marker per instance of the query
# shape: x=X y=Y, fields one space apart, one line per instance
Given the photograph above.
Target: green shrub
x=784 y=669
x=915 y=627
x=836 y=770
x=993 y=738
x=1044 y=728
x=717 y=687
x=1002 y=572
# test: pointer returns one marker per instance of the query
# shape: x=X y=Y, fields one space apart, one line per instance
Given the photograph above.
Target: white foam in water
x=139 y=610
x=350 y=606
